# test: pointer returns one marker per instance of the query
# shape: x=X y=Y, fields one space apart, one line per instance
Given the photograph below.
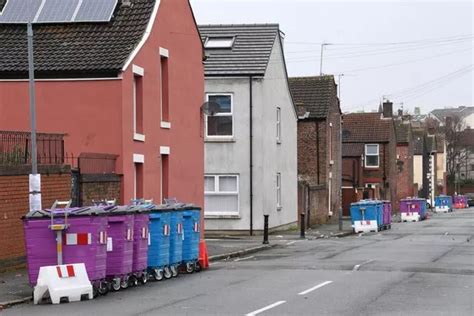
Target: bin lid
x=73 y=211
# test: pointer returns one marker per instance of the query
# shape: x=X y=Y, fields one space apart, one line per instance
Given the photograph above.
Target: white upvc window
x=278 y=125
x=278 y=190
x=221 y=123
x=221 y=194
x=371 y=156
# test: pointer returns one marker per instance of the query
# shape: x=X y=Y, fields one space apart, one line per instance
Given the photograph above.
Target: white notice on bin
x=109 y=244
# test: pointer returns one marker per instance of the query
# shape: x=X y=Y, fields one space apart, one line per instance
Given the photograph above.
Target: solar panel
x=57 y=11
x=19 y=11
x=96 y=11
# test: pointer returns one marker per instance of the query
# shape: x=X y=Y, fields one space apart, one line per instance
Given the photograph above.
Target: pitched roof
x=365 y=128
x=352 y=149
x=313 y=94
x=249 y=54
x=462 y=112
x=418 y=142
x=402 y=131
x=62 y=50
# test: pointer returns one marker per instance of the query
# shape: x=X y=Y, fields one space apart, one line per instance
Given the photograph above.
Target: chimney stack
x=387 y=109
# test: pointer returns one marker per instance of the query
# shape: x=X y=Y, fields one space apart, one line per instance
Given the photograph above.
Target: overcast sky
x=419 y=53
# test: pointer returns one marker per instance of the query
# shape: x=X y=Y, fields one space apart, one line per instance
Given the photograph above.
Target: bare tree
x=456 y=151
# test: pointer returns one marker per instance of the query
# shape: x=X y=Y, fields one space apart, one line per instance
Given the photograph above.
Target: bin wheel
x=189 y=267
x=198 y=267
x=158 y=274
x=116 y=284
x=103 y=288
x=167 y=273
x=95 y=291
x=125 y=282
x=133 y=280
x=174 y=271
x=144 y=278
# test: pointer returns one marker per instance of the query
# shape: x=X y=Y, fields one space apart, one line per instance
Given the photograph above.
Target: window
x=221 y=194
x=278 y=190
x=219 y=42
x=372 y=156
x=138 y=181
x=278 y=125
x=164 y=177
x=137 y=105
x=164 y=88
x=221 y=123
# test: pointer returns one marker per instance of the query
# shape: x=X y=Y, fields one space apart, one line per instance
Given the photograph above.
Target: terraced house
x=129 y=84
x=319 y=147
x=251 y=135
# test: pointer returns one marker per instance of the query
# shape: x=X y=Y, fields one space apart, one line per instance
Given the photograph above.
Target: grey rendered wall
x=273 y=157
x=231 y=157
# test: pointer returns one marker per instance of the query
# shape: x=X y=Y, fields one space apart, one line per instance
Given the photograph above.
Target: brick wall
x=14 y=203
x=96 y=187
x=404 y=172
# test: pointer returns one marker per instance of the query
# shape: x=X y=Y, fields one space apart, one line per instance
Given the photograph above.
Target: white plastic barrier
x=411 y=217
x=69 y=281
x=365 y=226
x=442 y=209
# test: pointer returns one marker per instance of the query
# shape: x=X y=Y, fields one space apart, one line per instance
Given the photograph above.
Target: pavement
x=14 y=287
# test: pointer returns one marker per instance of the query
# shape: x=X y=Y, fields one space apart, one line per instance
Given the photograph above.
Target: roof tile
x=366 y=127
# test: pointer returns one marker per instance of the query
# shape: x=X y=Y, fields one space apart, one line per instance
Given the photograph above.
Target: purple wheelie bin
x=84 y=241
x=387 y=215
x=120 y=246
x=140 y=243
x=412 y=209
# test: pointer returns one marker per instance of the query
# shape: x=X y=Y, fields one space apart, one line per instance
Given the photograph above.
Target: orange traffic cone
x=203 y=258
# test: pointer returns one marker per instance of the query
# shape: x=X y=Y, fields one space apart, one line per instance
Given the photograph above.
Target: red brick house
x=405 y=160
x=319 y=147
x=130 y=87
x=368 y=157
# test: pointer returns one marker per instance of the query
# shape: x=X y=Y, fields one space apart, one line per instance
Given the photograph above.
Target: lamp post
x=321 y=59
x=35 y=178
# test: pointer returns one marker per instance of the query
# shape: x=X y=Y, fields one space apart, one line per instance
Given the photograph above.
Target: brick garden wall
x=96 y=187
x=14 y=203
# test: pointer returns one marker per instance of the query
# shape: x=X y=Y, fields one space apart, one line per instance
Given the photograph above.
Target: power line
x=383 y=43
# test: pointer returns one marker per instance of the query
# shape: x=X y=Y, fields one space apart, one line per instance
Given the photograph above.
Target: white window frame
x=231 y=114
x=216 y=192
x=137 y=72
x=378 y=155
x=278 y=125
x=278 y=191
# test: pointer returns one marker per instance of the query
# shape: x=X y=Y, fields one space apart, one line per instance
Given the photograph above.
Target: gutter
x=251 y=151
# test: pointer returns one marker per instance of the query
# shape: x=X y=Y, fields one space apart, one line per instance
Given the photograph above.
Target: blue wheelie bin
x=159 y=244
x=443 y=204
x=176 y=240
x=191 y=219
x=365 y=215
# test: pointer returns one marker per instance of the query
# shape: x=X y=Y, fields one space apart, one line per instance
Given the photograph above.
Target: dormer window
x=219 y=42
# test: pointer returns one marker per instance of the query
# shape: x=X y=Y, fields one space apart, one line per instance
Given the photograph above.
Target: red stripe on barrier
x=60 y=274
x=70 y=271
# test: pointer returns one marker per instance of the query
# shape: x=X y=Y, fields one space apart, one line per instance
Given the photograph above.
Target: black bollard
x=302 y=226
x=265 y=229
x=340 y=218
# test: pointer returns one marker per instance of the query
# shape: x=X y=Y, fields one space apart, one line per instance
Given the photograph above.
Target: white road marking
x=290 y=243
x=214 y=263
x=258 y=311
x=315 y=288
x=357 y=266
x=241 y=259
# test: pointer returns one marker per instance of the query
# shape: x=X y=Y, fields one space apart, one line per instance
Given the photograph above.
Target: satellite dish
x=210 y=108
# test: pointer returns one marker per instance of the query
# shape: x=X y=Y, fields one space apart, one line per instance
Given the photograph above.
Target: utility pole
x=35 y=178
x=321 y=59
